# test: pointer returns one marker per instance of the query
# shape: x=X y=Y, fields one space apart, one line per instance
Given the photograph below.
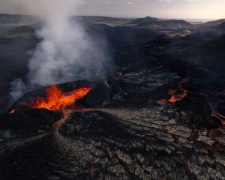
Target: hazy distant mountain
x=213 y=23
x=168 y=24
x=111 y=21
x=145 y=20
x=221 y=27
x=154 y=23
x=100 y=18
x=20 y=31
x=17 y=19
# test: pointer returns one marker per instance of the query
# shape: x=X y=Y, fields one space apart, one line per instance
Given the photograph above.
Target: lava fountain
x=56 y=99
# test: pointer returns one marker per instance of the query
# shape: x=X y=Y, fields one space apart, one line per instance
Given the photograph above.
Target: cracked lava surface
x=135 y=133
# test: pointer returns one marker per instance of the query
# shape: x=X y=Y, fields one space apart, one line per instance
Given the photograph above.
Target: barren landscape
x=159 y=114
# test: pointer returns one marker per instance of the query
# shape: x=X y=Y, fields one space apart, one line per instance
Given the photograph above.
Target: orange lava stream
x=66 y=114
x=175 y=97
x=220 y=117
x=12 y=111
x=56 y=100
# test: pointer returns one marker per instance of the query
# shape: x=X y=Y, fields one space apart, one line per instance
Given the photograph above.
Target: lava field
x=142 y=123
x=158 y=114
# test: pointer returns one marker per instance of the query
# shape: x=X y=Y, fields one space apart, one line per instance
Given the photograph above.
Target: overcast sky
x=180 y=9
x=199 y=9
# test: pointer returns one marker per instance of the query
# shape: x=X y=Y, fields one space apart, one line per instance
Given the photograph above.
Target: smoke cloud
x=66 y=53
x=18 y=88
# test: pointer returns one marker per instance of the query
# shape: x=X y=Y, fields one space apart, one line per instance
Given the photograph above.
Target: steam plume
x=66 y=53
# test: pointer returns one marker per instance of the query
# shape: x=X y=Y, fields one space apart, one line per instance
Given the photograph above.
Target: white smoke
x=66 y=53
x=17 y=89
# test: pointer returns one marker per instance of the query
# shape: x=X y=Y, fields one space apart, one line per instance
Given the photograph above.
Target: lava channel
x=175 y=96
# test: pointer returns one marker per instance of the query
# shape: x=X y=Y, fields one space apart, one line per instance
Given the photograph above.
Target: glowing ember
x=56 y=100
x=91 y=170
x=12 y=111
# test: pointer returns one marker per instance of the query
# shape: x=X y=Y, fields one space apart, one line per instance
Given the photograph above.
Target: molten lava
x=56 y=100
x=66 y=114
x=175 y=96
x=12 y=111
x=216 y=114
x=220 y=117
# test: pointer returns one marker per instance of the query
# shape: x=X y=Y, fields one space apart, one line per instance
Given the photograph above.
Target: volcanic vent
x=53 y=101
x=56 y=100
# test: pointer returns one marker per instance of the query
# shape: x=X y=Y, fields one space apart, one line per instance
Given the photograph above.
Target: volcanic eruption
x=155 y=117
x=56 y=100
x=65 y=51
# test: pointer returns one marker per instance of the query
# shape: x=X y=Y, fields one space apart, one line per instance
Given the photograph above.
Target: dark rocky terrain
x=158 y=116
x=17 y=19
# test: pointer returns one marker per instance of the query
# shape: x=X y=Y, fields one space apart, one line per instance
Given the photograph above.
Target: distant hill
x=213 y=23
x=220 y=27
x=102 y=20
x=155 y=23
x=17 y=19
x=20 y=31
x=145 y=20
x=28 y=19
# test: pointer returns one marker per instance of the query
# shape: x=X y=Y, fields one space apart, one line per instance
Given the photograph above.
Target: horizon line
x=129 y=17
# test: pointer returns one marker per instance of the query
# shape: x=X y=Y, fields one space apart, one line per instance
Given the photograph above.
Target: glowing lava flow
x=66 y=114
x=56 y=100
x=174 y=92
x=12 y=111
x=177 y=97
x=216 y=114
x=220 y=117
